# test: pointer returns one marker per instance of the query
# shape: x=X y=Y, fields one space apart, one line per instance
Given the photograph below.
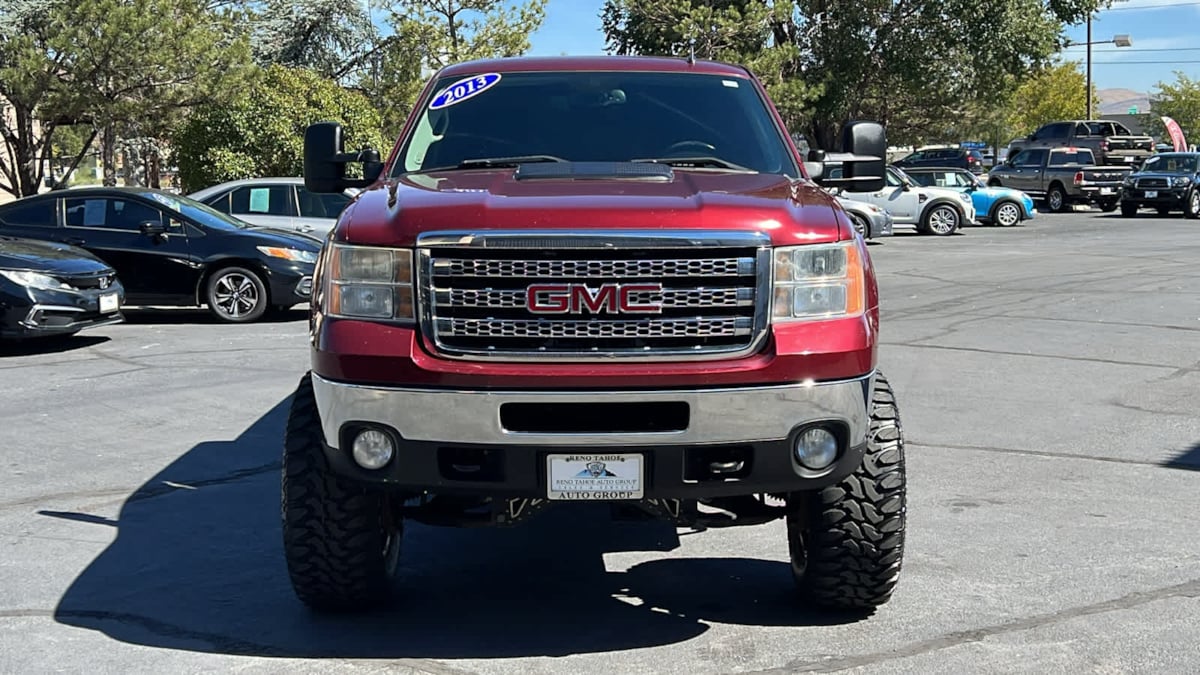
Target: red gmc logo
x=577 y=298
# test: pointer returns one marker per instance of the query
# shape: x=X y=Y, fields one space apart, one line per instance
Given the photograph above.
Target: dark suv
x=942 y=157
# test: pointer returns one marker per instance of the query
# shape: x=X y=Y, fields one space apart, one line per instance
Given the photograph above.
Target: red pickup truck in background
x=606 y=279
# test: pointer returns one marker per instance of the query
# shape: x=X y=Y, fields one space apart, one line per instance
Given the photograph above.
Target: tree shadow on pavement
x=201 y=316
x=197 y=564
x=57 y=344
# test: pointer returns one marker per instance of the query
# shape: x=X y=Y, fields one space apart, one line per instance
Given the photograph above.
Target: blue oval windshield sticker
x=463 y=90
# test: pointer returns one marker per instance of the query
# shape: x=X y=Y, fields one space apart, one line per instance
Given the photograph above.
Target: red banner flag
x=1176 y=134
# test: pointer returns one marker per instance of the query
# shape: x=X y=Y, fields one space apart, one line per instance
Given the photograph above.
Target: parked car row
x=941 y=200
x=1166 y=182
x=153 y=248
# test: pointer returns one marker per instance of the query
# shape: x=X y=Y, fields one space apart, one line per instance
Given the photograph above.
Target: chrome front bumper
x=716 y=415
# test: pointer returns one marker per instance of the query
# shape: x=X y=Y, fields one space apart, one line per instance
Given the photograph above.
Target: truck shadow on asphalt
x=197 y=564
x=1188 y=460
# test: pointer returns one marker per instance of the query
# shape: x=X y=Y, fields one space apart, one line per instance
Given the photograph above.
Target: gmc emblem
x=577 y=298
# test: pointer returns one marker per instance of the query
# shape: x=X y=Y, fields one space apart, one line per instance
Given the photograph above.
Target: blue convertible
x=994 y=205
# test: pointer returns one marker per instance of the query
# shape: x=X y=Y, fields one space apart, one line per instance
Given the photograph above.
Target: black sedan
x=1166 y=182
x=53 y=289
x=171 y=250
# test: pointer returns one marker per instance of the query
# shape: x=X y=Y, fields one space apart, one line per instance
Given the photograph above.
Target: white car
x=282 y=203
x=930 y=210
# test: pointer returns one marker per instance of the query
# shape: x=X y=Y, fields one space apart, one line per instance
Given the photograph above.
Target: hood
x=1161 y=174
x=270 y=236
x=995 y=192
x=942 y=192
x=43 y=256
x=791 y=212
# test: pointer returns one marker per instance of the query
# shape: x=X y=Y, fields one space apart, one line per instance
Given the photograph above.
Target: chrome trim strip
x=759 y=331
x=716 y=415
x=591 y=239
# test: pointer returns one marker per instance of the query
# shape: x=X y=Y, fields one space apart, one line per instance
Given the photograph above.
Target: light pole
x=1118 y=40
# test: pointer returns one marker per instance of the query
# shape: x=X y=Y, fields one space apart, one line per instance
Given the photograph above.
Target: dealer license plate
x=1107 y=191
x=1151 y=194
x=595 y=477
x=108 y=303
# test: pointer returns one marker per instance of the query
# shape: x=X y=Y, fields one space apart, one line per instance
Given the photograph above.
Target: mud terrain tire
x=340 y=553
x=847 y=541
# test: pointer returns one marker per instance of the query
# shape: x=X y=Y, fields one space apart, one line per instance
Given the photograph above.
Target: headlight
x=293 y=254
x=34 y=280
x=369 y=282
x=1181 y=181
x=819 y=281
x=1128 y=182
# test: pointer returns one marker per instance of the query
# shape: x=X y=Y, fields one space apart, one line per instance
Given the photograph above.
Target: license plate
x=594 y=477
x=108 y=303
x=1151 y=194
x=1130 y=159
x=1107 y=191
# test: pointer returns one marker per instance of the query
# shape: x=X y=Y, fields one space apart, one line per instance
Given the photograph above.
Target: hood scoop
x=595 y=170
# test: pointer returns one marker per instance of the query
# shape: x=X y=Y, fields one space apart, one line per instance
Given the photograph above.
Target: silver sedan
x=870 y=220
x=282 y=203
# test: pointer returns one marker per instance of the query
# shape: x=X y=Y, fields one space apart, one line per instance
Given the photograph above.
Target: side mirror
x=152 y=228
x=863 y=158
x=325 y=160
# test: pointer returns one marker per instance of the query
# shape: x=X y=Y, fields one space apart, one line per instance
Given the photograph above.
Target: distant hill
x=1117 y=101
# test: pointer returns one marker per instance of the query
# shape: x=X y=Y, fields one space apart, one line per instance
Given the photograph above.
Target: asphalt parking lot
x=1047 y=377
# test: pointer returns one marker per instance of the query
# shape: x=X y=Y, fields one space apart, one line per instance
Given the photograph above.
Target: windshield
x=720 y=121
x=1171 y=164
x=199 y=212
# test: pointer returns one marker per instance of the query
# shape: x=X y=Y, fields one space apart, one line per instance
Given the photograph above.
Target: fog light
x=816 y=448
x=373 y=449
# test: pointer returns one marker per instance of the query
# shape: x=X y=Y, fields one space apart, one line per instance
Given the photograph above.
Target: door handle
x=74 y=241
x=305 y=228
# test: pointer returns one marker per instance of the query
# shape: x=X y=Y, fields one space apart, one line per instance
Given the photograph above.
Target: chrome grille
x=710 y=292
x=669 y=297
x=590 y=269
x=552 y=328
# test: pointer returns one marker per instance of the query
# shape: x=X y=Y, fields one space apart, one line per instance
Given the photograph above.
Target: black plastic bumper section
x=671 y=471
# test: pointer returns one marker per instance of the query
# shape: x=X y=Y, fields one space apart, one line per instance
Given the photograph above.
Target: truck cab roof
x=602 y=63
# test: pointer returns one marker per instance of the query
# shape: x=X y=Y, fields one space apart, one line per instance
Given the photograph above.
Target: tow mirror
x=325 y=160
x=863 y=158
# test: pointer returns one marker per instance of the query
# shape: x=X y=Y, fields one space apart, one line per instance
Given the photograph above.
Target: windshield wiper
x=698 y=162
x=506 y=161
x=491 y=162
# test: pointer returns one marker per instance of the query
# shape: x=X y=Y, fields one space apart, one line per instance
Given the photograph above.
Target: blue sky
x=1165 y=39
x=1159 y=30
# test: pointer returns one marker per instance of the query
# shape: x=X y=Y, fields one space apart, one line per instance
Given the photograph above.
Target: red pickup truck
x=607 y=279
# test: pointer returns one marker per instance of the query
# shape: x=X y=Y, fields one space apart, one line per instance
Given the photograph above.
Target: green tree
x=335 y=38
x=431 y=34
x=261 y=132
x=916 y=65
x=1057 y=92
x=113 y=64
x=1181 y=102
